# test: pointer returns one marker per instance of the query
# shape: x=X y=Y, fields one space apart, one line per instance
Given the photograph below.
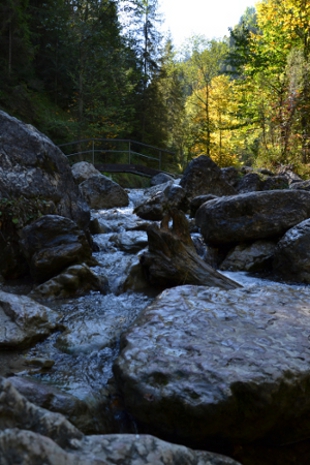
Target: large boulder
x=35 y=179
x=292 y=254
x=51 y=244
x=203 y=176
x=252 y=216
x=23 y=321
x=101 y=192
x=208 y=366
x=161 y=201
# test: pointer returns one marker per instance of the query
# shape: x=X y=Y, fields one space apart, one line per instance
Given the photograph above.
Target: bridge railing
x=115 y=151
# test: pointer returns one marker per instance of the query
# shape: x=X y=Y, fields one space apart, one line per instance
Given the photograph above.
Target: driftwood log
x=171 y=259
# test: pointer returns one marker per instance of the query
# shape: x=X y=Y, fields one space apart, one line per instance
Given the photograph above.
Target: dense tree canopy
x=101 y=68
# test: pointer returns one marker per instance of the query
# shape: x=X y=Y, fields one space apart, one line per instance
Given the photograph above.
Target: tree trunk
x=172 y=259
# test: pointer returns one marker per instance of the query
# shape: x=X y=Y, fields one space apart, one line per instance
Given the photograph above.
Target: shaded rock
x=220 y=367
x=252 y=216
x=304 y=185
x=83 y=170
x=251 y=182
x=172 y=260
x=34 y=449
x=54 y=400
x=35 y=179
x=101 y=192
x=172 y=196
x=250 y=257
x=52 y=243
x=74 y=281
x=130 y=241
x=231 y=175
x=203 y=176
x=292 y=254
x=161 y=178
x=17 y=412
x=24 y=321
x=196 y=202
x=136 y=279
x=28 y=448
x=260 y=181
x=98 y=227
x=275 y=182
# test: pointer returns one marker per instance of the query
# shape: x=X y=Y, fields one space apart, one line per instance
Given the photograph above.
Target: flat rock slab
x=24 y=321
x=208 y=366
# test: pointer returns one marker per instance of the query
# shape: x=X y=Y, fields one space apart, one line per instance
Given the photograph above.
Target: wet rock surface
x=74 y=281
x=24 y=321
x=220 y=366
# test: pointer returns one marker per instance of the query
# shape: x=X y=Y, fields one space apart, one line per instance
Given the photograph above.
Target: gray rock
x=17 y=412
x=50 y=398
x=196 y=202
x=51 y=244
x=231 y=175
x=83 y=170
x=154 y=208
x=161 y=178
x=100 y=192
x=220 y=365
x=28 y=448
x=292 y=254
x=250 y=257
x=203 y=176
x=24 y=321
x=252 y=216
x=74 y=281
x=130 y=241
x=35 y=179
x=20 y=446
x=251 y=182
x=304 y=185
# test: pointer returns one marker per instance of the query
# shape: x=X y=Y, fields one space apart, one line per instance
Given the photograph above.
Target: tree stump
x=172 y=259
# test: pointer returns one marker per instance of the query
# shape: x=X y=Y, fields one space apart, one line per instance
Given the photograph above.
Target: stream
x=78 y=361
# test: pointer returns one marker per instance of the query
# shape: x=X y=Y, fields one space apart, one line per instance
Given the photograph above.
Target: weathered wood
x=172 y=259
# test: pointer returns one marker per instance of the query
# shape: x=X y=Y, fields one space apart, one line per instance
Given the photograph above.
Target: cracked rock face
x=24 y=321
x=203 y=365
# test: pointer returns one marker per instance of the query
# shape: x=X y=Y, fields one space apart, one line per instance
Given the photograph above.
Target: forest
x=79 y=69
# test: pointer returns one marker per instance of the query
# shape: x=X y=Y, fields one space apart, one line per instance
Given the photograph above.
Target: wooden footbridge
x=119 y=156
